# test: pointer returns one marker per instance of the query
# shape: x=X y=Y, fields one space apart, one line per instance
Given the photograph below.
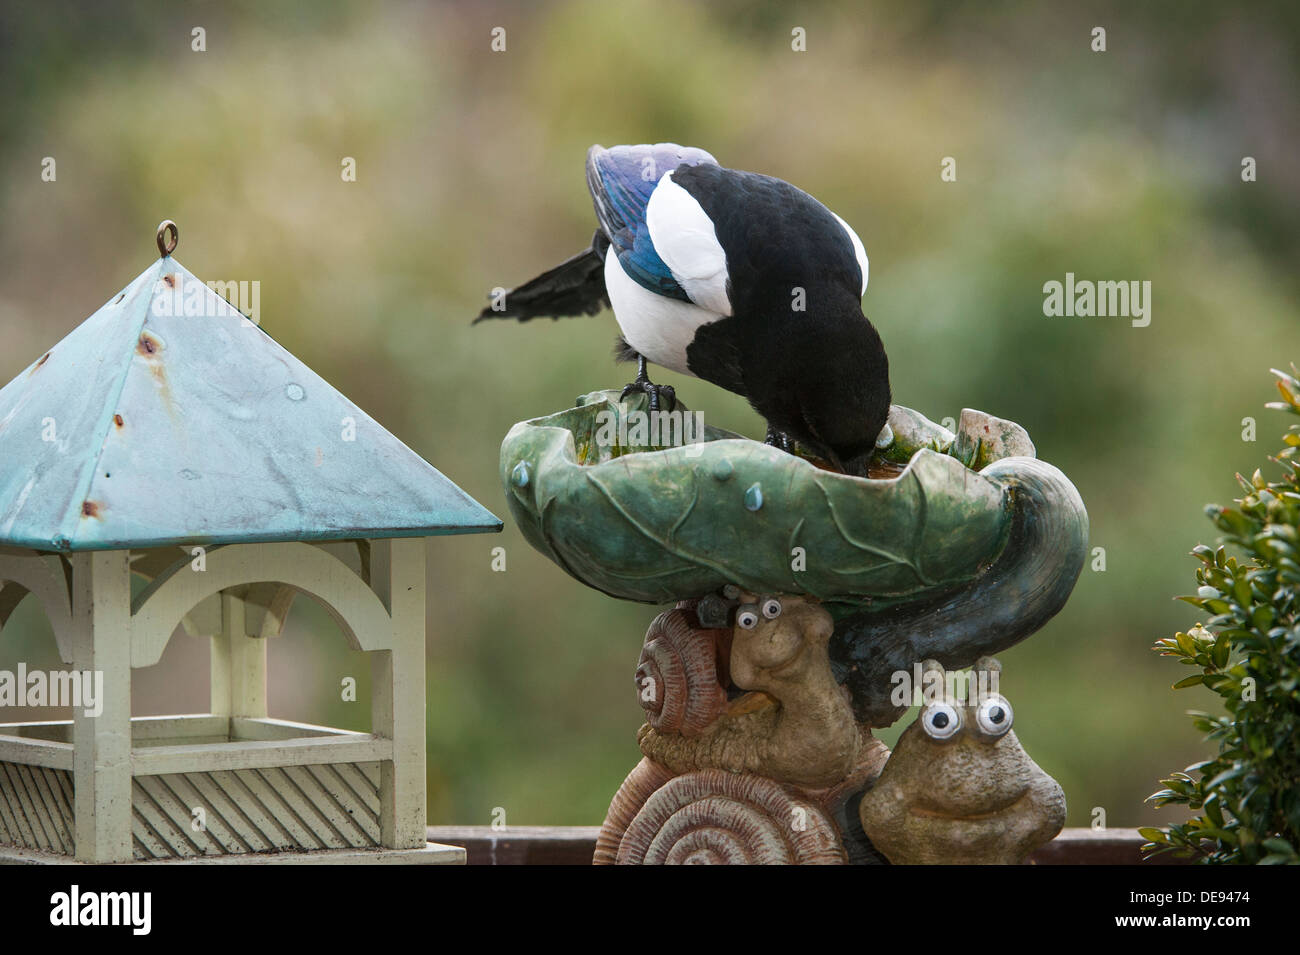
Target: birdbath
x=802 y=599
x=182 y=447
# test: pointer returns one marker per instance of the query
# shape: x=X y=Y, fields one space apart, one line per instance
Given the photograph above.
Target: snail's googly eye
x=747 y=617
x=771 y=608
x=940 y=720
x=994 y=716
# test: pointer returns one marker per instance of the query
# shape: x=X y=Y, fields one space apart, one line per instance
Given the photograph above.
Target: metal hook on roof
x=164 y=247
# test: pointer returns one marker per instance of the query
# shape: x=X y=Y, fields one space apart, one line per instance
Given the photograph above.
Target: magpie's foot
x=778 y=439
x=656 y=394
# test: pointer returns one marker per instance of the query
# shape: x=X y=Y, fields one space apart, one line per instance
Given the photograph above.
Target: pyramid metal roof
x=147 y=426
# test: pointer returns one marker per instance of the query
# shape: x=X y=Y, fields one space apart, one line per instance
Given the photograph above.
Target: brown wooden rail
x=574 y=845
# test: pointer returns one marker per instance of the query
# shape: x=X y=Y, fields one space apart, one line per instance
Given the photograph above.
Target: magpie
x=737 y=278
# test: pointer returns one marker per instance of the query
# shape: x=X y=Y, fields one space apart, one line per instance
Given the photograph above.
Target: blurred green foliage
x=1116 y=165
x=1248 y=653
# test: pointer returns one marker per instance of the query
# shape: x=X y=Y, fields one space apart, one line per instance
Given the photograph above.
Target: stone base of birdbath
x=752 y=755
x=801 y=595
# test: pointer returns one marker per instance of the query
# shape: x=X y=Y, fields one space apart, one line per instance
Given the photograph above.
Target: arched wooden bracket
x=44 y=576
x=357 y=610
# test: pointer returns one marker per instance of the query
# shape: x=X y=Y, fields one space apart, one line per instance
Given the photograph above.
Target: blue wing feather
x=621 y=180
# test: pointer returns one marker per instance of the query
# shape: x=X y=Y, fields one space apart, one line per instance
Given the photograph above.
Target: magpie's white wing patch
x=656 y=326
x=858 y=251
x=684 y=237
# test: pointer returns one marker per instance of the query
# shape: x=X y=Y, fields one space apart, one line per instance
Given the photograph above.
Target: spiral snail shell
x=639 y=786
x=677 y=677
x=714 y=817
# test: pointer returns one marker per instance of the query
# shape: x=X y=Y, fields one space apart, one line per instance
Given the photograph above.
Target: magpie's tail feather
x=574 y=287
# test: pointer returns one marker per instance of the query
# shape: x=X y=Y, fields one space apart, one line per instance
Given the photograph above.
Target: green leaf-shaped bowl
x=658 y=518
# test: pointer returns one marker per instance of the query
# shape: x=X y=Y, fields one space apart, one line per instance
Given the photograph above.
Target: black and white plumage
x=733 y=277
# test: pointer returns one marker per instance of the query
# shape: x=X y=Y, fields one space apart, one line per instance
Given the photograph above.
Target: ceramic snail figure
x=788 y=718
x=752 y=754
x=959 y=788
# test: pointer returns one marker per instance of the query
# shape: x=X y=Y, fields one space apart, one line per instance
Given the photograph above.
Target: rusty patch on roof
x=149 y=345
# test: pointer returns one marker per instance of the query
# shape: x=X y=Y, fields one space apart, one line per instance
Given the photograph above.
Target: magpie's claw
x=655 y=394
x=778 y=439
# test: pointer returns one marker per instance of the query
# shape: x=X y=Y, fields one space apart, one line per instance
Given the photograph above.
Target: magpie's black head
x=822 y=377
x=858 y=385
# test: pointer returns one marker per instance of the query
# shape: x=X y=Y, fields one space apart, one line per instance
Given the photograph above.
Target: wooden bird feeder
x=186 y=448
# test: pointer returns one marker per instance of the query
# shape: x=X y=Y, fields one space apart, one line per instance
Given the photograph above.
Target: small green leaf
x=1221 y=651
x=1213 y=812
x=1226 y=776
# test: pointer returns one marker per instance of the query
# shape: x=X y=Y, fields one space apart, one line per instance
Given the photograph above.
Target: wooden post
x=101 y=609
x=238 y=663
x=397 y=573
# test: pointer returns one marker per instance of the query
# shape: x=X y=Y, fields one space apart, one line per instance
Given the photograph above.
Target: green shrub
x=1248 y=653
